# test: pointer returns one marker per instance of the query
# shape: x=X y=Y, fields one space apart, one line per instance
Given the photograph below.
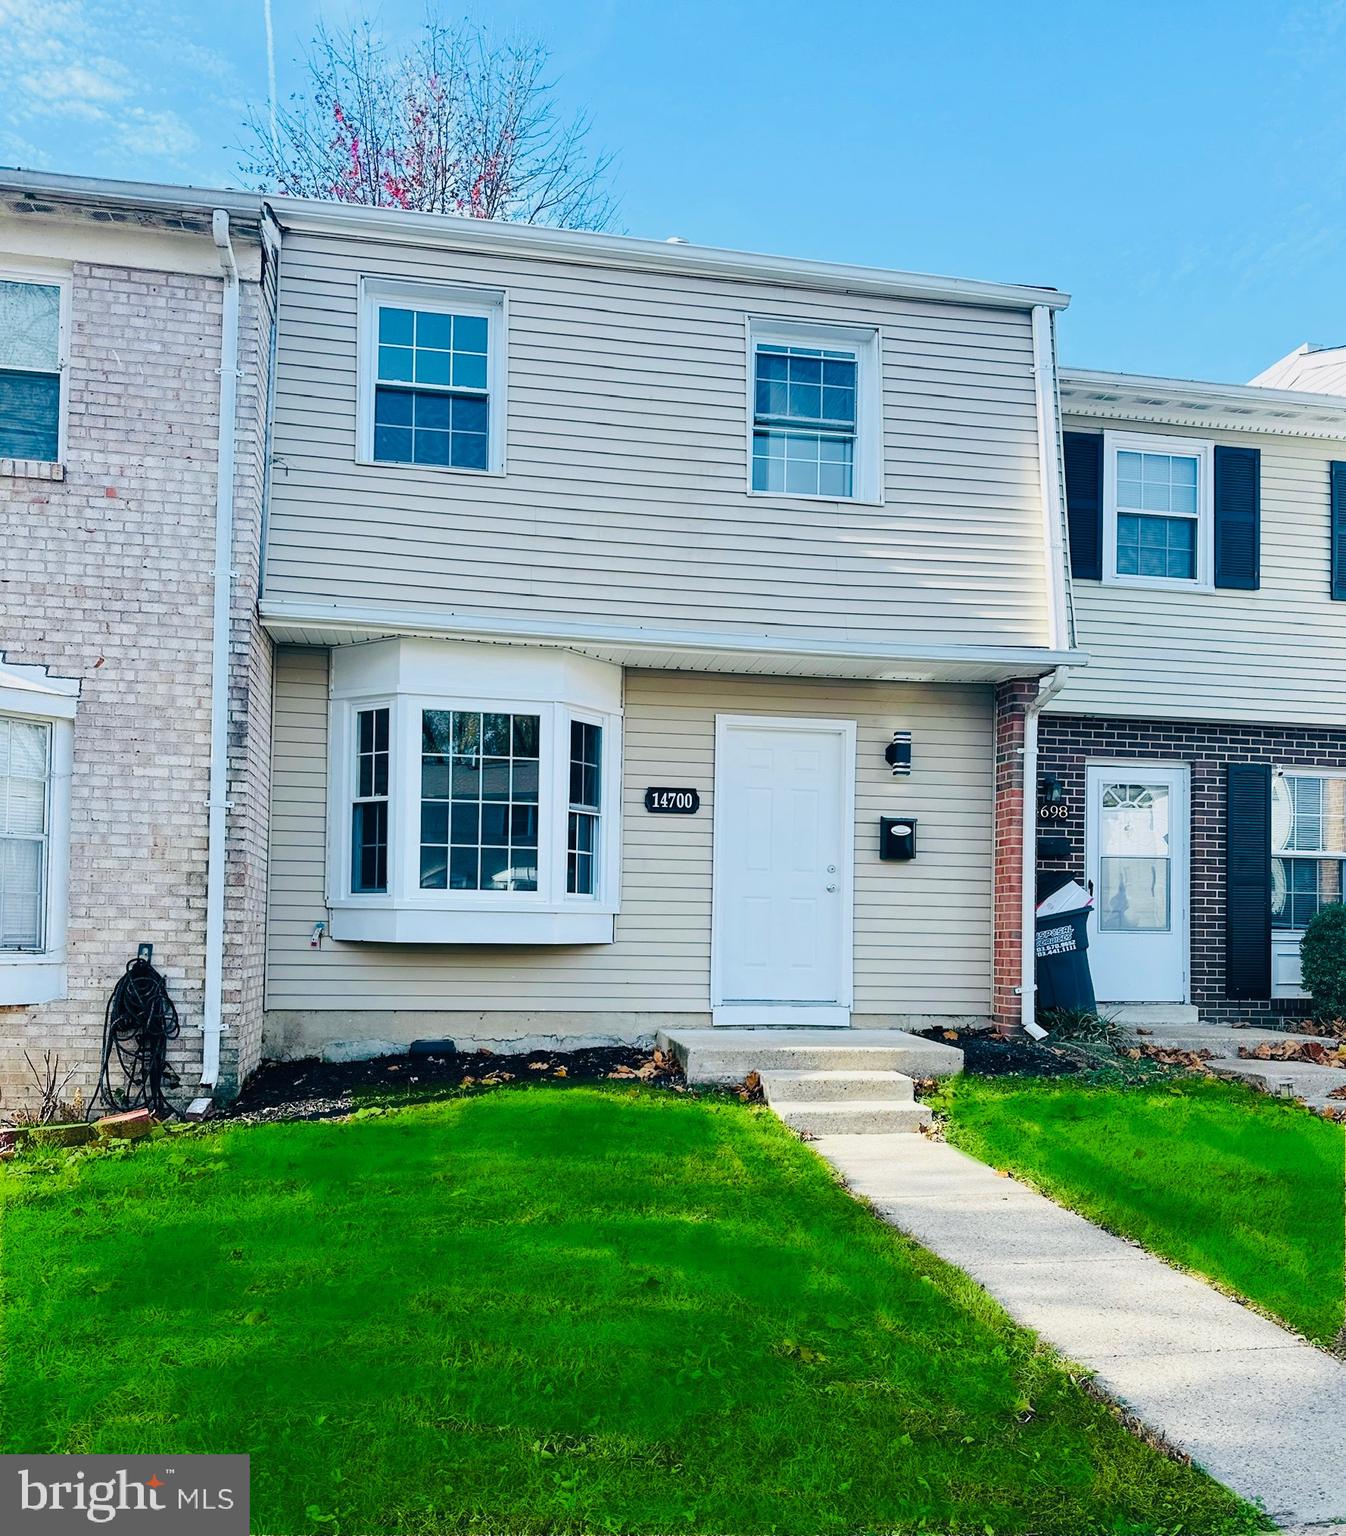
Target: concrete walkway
x=1254 y=1405
x=1307 y=1081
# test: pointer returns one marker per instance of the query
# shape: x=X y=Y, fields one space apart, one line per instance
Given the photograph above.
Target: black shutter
x=1083 y=455
x=1337 y=480
x=1238 y=517
x=1247 y=965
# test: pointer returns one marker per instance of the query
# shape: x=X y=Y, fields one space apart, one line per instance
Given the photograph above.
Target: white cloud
x=124 y=79
x=98 y=84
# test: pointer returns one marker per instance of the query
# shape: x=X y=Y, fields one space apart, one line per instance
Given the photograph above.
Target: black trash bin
x=1062 y=950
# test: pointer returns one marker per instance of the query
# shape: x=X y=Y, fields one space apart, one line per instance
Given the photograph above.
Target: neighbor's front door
x=782 y=870
x=1136 y=856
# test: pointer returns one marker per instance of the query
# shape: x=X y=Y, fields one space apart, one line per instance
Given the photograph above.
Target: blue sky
x=1179 y=168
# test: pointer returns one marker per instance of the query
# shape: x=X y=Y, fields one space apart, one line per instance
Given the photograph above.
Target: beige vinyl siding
x=922 y=930
x=625 y=493
x=1277 y=654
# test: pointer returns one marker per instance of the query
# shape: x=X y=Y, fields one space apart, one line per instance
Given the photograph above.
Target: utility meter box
x=897 y=838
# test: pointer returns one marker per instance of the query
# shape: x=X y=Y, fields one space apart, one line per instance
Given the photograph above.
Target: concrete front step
x=851 y=1117
x=1150 y=1015
x=728 y=1055
x=830 y=1087
x=1223 y=1039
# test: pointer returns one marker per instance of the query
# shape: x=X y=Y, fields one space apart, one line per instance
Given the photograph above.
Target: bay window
x=470 y=789
x=586 y=806
x=479 y=800
x=369 y=813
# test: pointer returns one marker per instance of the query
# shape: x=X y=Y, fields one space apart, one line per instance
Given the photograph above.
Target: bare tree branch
x=456 y=123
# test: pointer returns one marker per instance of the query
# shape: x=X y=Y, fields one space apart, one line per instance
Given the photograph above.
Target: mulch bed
x=318 y=1090
x=987 y=1054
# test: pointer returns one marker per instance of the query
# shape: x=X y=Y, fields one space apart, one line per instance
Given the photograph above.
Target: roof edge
x=1174 y=391
x=452 y=231
x=96 y=190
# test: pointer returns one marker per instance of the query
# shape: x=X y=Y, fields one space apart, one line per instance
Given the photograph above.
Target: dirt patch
x=318 y=1090
x=987 y=1054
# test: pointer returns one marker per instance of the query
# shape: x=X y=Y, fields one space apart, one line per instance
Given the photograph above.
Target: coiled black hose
x=140 y=1021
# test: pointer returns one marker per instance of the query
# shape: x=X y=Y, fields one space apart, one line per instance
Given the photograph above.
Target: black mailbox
x=897 y=837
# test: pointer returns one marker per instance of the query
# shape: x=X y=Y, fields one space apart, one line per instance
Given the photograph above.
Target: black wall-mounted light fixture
x=1050 y=790
x=897 y=754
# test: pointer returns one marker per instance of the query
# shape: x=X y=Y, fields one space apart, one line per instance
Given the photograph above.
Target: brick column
x=1011 y=698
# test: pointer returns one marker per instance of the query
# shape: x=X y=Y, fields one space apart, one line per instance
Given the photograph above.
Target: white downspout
x=1060 y=634
x=212 y=1022
x=1048 y=687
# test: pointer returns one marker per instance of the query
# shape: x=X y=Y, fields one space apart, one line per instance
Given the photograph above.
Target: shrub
x=1324 y=956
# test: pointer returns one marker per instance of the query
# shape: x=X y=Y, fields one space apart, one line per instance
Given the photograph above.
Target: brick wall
x=1011 y=699
x=108 y=577
x=1068 y=742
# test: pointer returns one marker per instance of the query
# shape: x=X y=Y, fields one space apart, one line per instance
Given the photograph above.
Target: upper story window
x=1157 y=510
x=432 y=377
x=32 y=367
x=815 y=419
x=1308 y=845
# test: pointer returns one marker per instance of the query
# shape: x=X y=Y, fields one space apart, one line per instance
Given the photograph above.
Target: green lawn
x=1244 y=1189
x=548 y=1309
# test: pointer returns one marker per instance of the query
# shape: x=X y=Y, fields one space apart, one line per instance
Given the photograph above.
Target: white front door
x=1136 y=856
x=782 y=879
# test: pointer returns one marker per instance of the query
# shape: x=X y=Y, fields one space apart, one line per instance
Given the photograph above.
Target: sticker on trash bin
x=1056 y=941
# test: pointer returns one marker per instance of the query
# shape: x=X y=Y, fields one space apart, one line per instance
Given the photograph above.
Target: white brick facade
x=107 y=577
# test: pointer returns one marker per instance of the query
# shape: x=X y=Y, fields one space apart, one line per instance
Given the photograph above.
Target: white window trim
x=26 y=693
x=867 y=343
x=1321 y=855
x=1203 y=451
x=408 y=914
x=492 y=305
x=61 y=280
x=1285 y=941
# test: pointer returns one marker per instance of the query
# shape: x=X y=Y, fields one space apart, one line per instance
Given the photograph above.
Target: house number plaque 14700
x=672 y=802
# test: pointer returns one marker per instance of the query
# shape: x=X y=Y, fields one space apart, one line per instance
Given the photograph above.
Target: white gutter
x=212 y=1022
x=449 y=231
